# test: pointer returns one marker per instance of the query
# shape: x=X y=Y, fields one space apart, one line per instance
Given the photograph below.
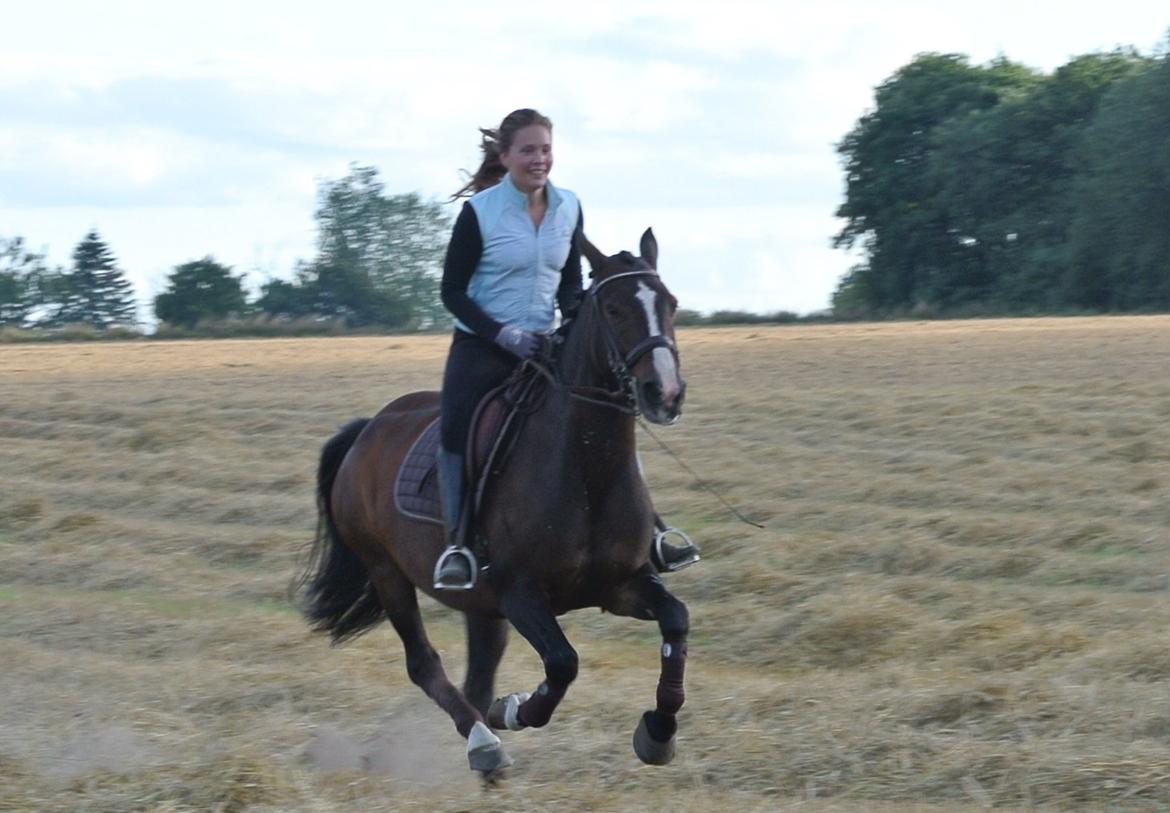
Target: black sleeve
x=463 y=253
x=569 y=293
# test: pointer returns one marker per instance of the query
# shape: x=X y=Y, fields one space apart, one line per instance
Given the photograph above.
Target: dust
x=412 y=746
x=113 y=747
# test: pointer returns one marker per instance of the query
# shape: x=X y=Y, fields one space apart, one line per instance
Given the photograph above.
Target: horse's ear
x=649 y=249
x=597 y=260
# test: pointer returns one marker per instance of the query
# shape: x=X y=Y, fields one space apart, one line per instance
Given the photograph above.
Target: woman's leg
x=474 y=368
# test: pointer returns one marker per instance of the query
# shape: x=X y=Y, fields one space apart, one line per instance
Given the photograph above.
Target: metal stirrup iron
x=472 y=565
x=660 y=540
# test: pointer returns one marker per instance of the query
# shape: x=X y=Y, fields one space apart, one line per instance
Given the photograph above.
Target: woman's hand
x=516 y=340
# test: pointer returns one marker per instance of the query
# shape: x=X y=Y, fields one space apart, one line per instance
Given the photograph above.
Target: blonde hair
x=497 y=141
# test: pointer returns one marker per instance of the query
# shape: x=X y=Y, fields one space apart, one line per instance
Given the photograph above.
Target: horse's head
x=635 y=314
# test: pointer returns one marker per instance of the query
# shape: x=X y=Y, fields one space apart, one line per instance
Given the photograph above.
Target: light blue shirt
x=519 y=271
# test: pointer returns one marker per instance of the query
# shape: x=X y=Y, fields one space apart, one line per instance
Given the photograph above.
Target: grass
x=958 y=600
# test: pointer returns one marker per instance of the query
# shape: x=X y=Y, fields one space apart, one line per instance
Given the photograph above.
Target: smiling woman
x=512 y=259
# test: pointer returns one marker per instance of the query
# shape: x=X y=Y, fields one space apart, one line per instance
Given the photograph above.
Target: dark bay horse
x=567 y=522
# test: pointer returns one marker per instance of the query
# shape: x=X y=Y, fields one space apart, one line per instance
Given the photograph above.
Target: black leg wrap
x=538 y=709
x=671 y=694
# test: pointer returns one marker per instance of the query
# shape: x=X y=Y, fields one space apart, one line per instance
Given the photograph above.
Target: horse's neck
x=582 y=362
x=593 y=415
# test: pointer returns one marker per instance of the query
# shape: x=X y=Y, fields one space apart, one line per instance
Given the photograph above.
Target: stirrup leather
x=687 y=544
x=473 y=568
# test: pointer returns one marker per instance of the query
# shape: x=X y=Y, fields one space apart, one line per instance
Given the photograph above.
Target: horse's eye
x=613 y=311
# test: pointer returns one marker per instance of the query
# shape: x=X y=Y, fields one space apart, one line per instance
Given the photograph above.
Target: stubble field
x=959 y=600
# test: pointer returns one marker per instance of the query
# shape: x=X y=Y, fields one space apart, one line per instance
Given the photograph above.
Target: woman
x=513 y=255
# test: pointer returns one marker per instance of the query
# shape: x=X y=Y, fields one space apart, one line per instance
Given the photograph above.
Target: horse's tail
x=337 y=596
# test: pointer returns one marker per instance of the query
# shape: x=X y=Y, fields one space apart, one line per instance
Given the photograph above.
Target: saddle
x=495 y=425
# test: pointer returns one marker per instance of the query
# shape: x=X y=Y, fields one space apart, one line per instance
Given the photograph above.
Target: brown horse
x=567 y=522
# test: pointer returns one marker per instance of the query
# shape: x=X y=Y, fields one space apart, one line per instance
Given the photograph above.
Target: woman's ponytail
x=494 y=142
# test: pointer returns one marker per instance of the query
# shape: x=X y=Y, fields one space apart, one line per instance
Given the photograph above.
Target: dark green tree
x=893 y=205
x=96 y=292
x=378 y=258
x=396 y=241
x=21 y=271
x=1119 y=241
x=332 y=290
x=198 y=291
x=1004 y=176
x=289 y=300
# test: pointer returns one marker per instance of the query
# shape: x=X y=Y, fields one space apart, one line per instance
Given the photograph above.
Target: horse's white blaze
x=664 y=364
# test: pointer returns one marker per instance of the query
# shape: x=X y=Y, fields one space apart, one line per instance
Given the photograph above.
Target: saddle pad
x=416 y=490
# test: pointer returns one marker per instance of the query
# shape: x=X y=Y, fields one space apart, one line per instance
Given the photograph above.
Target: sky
x=180 y=131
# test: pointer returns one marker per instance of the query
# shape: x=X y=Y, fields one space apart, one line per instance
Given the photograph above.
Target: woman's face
x=530 y=158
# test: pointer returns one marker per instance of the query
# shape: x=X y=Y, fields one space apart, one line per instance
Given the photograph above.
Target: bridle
x=621 y=364
x=625 y=397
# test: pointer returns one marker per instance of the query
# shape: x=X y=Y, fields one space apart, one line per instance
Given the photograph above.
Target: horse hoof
x=485 y=753
x=650 y=750
x=504 y=712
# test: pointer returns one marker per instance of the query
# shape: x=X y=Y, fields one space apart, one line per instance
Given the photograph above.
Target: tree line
x=969 y=189
x=981 y=189
x=377 y=266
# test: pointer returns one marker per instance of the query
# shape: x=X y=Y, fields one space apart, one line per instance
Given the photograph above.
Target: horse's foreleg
x=487 y=637
x=647 y=598
x=423 y=665
x=533 y=619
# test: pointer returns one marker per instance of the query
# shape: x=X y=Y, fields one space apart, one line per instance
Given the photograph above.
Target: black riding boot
x=456 y=568
x=667 y=557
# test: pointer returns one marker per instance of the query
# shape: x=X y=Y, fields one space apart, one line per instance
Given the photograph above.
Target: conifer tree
x=96 y=293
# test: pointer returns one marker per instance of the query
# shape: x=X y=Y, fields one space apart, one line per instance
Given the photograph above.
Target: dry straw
x=959 y=601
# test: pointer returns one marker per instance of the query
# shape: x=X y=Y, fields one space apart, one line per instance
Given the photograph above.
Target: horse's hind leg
x=423 y=665
x=487 y=637
x=645 y=597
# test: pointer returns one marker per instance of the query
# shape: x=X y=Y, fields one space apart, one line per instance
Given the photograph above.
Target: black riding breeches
x=475 y=367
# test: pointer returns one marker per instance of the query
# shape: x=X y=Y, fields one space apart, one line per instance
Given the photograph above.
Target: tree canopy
x=198 y=291
x=378 y=258
x=21 y=275
x=987 y=187
x=378 y=263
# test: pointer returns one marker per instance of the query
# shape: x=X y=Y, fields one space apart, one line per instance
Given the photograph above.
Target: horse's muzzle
x=661 y=406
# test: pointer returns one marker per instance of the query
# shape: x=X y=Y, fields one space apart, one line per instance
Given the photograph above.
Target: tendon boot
x=667 y=557
x=456 y=568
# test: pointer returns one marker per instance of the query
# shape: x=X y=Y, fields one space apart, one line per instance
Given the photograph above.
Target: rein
x=624 y=399
x=613 y=399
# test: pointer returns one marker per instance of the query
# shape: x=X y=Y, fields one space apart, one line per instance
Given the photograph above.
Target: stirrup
x=687 y=547
x=472 y=566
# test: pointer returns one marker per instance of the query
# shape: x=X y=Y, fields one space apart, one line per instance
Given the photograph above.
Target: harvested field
x=959 y=600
